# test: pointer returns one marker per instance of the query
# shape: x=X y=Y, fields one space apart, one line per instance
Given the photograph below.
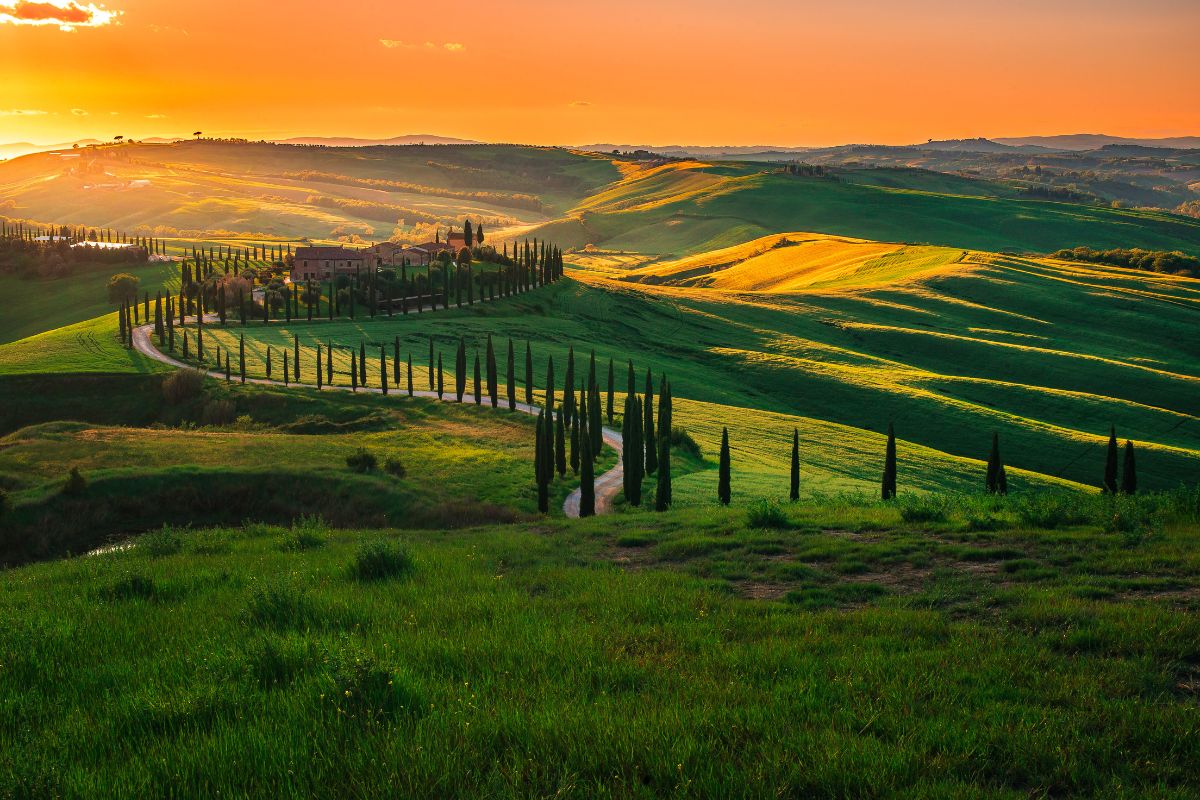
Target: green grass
x=34 y=306
x=854 y=655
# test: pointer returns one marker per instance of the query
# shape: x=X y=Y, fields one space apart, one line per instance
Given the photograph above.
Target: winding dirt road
x=607 y=484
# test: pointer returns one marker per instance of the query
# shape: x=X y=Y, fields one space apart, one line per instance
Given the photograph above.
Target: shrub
x=682 y=441
x=182 y=385
x=379 y=561
x=923 y=509
x=362 y=461
x=283 y=607
x=369 y=692
x=764 y=514
x=307 y=534
x=219 y=412
x=75 y=484
x=395 y=468
x=165 y=541
x=1052 y=510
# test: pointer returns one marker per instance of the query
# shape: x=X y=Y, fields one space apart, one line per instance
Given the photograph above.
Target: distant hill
x=349 y=141
x=700 y=151
x=978 y=146
x=1093 y=141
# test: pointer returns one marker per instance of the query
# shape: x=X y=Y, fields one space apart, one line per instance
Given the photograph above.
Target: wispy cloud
x=66 y=14
x=578 y=103
x=156 y=116
x=397 y=44
x=22 y=112
x=79 y=112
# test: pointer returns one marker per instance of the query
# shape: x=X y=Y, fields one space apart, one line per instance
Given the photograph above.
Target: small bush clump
x=395 y=468
x=1052 y=510
x=765 y=514
x=682 y=441
x=75 y=483
x=923 y=509
x=219 y=412
x=182 y=385
x=362 y=461
x=165 y=541
x=381 y=561
x=307 y=533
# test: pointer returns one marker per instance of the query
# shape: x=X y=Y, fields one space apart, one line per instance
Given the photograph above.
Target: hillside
x=219 y=188
x=688 y=207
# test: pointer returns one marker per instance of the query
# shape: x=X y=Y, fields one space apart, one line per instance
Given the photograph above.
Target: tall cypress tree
x=528 y=374
x=431 y=364
x=637 y=451
x=610 y=391
x=478 y=388
x=1128 y=471
x=242 y=357
x=383 y=371
x=296 y=357
x=663 y=498
x=286 y=377
x=491 y=373
x=560 y=445
x=595 y=423
x=440 y=385
x=320 y=369
x=649 y=440
x=587 y=481
x=794 y=488
x=994 y=466
x=353 y=370
x=512 y=378
x=329 y=361
x=723 y=493
x=888 y=484
x=362 y=362
x=569 y=383
x=550 y=383
x=539 y=464
x=268 y=363
x=627 y=449
x=410 y=381
x=1110 y=463
x=396 y=361
x=574 y=454
x=460 y=369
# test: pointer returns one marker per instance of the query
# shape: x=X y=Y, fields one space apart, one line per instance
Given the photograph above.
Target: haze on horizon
x=700 y=72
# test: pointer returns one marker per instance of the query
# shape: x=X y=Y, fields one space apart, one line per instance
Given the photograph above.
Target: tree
x=362 y=362
x=478 y=393
x=1128 y=471
x=632 y=453
x=242 y=357
x=888 y=483
x=648 y=439
x=662 y=495
x=794 y=489
x=479 y=234
x=410 y=382
x=440 y=385
x=569 y=382
x=319 y=369
x=723 y=471
x=560 y=445
x=383 y=376
x=610 y=391
x=491 y=373
x=512 y=378
x=468 y=238
x=587 y=480
x=431 y=365
x=574 y=454
x=460 y=369
x=539 y=465
x=528 y=374
x=1110 y=463
x=997 y=483
x=353 y=369
x=123 y=288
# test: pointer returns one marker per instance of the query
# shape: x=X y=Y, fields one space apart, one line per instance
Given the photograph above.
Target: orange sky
x=625 y=71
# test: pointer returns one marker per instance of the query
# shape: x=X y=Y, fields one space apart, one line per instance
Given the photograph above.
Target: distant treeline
x=1170 y=262
x=1060 y=193
x=395 y=214
x=506 y=199
x=31 y=252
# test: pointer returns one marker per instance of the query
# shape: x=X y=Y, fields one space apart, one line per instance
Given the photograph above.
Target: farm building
x=321 y=263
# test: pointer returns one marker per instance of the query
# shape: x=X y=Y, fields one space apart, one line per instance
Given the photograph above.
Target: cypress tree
x=794 y=490
x=410 y=382
x=610 y=391
x=185 y=345
x=649 y=441
x=994 y=466
x=587 y=482
x=440 y=384
x=528 y=374
x=888 y=484
x=723 y=494
x=1128 y=471
x=663 y=499
x=396 y=362
x=539 y=465
x=353 y=370
x=268 y=363
x=431 y=365
x=158 y=317
x=637 y=452
x=1110 y=463
x=242 y=357
x=626 y=449
x=170 y=327
x=478 y=392
x=362 y=362
x=460 y=369
x=296 y=357
x=319 y=370
x=595 y=425
x=121 y=322
x=286 y=377
x=629 y=380
x=329 y=361
x=491 y=373
x=574 y=454
x=569 y=383
x=550 y=383
x=383 y=376
x=512 y=378
x=228 y=374
x=560 y=445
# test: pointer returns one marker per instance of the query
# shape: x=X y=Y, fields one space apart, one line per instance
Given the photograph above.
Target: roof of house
x=327 y=253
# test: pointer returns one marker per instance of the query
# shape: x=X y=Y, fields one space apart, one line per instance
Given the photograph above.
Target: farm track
x=607 y=484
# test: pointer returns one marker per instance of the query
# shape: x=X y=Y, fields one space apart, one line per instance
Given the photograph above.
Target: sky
x=700 y=72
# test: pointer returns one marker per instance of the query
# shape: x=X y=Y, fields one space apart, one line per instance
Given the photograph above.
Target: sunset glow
x=699 y=72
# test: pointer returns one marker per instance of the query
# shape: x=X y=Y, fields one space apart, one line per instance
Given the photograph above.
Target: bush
x=182 y=385
x=765 y=514
x=395 y=468
x=75 y=484
x=306 y=534
x=362 y=461
x=682 y=441
x=219 y=412
x=165 y=541
x=379 y=561
x=1053 y=510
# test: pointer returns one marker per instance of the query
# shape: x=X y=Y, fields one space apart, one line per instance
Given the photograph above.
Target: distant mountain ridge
x=350 y=141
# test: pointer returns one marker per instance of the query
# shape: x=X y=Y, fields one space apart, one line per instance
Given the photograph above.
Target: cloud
x=79 y=112
x=578 y=103
x=156 y=116
x=395 y=44
x=66 y=14
x=23 y=112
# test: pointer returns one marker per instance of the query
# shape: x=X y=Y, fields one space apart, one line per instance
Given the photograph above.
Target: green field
x=688 y=654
